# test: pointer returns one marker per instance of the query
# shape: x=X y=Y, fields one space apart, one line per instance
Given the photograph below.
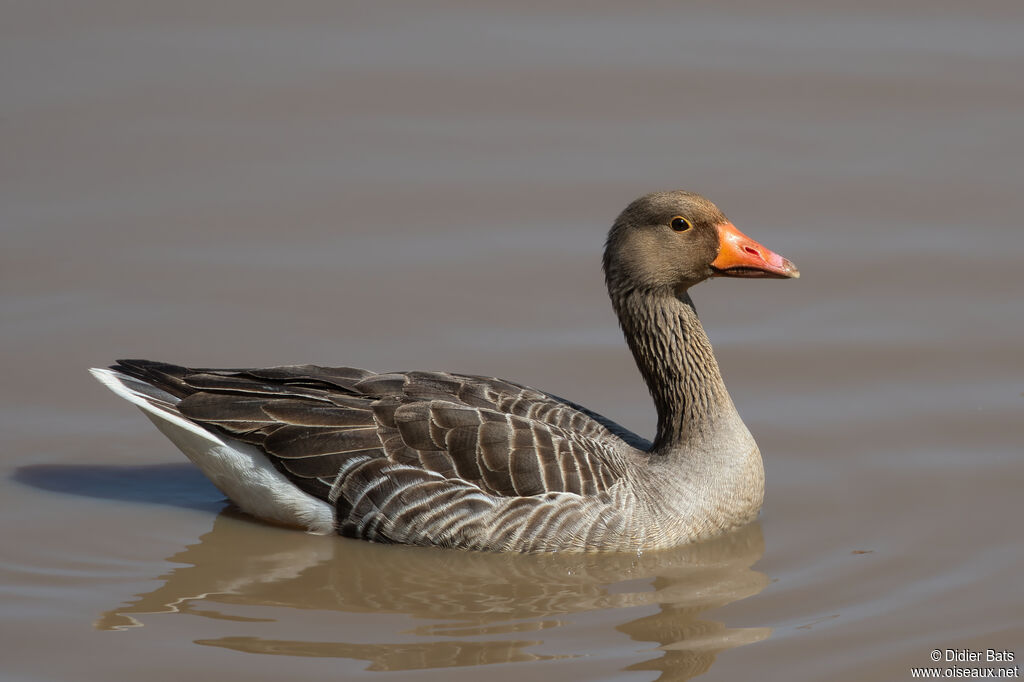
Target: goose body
x=434 y=458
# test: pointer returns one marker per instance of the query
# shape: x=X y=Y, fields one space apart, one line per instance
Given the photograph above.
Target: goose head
x=670 y=241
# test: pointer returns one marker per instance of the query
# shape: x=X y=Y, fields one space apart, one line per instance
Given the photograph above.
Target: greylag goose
x=453 y=460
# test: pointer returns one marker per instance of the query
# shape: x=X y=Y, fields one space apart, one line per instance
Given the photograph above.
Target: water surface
x=427 y=186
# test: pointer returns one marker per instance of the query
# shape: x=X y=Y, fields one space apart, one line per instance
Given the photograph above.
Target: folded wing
x=320 y=425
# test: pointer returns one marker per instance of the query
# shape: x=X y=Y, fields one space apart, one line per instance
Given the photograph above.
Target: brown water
x=404 y=186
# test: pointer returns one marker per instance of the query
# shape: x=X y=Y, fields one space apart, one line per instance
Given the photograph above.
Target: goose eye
x=680 y=224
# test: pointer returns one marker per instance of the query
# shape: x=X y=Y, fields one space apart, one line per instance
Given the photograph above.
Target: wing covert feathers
x=418 y=457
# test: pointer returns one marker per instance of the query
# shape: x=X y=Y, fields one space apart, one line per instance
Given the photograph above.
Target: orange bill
x=741 y=256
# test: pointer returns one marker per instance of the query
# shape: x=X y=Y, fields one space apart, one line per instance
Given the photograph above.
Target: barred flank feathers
x=417 y=457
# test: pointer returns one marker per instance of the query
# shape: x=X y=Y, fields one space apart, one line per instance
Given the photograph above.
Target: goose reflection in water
x=478 y=608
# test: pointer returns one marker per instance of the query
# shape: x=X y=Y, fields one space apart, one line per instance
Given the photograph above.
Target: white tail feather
x=239 y=470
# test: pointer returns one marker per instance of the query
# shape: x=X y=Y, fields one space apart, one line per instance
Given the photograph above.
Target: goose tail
x=241 y=471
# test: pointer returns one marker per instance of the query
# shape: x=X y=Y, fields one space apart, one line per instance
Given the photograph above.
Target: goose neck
x=675 y=358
